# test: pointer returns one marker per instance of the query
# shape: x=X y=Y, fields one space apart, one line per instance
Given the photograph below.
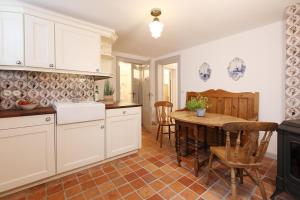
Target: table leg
x=196 y=162
x=178 y=150
x=220 y=136
x=185 y=141
x=205 y=139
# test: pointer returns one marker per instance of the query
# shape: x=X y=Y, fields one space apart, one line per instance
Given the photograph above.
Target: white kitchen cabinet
x=39 y=42
x=79 y=144
x=27 y=150
x=123 y=130
x=11 y=39
x=77 y=49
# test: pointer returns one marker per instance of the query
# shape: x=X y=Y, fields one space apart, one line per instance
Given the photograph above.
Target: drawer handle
x=18 y=62
x=51 y=65
x=48 y=119
x=124 y=112
x=102 y=126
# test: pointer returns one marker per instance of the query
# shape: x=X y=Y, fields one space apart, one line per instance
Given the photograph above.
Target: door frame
x=166 y=61
x=128 y=60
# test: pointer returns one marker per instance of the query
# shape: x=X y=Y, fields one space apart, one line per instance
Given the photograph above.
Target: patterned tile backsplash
x=44 y=88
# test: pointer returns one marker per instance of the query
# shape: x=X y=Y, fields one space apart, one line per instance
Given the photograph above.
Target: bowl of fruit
x=26 y=104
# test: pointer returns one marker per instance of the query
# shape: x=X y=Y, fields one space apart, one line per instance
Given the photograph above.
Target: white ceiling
x=187 y=22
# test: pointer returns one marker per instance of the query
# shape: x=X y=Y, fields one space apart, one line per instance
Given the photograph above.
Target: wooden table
x=189 y=119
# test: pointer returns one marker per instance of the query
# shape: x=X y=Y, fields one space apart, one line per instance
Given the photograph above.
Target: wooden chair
x=163 y=109
x=243 y=157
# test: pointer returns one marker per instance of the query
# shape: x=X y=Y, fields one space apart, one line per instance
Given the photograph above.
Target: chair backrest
x=243 y=105
x=253 y=151
x=163 y=110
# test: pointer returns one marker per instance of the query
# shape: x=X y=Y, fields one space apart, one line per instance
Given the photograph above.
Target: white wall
x=262 y=49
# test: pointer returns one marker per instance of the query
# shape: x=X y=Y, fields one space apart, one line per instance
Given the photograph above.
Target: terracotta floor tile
x=73 y=191
x=78 y=197
x=106 y=187
x=113 y=175
x=219 y=188
x=37 y=195
x=146 y=192
x=208 y=195
x=189 y=194
x=112 y=195
x=54 y=189
x=175 y=175
x=131 y=176
x=197 y=188
x=108 y=169
x=148 y=178
x=155 y=197
x=177 y=187
x=84 y=178
x=167 y=193
x=151 y=167
x=158 y=173
x=157 y=185
x=119 y=181
x=125 y=189
x=141 y=172
x=167 y=179
x=159 y=164
x=137 y=183
x=57 y=196
x=135 y=167
x=70 y=183
x=133 y=196
x=185 y=181
x=87 y=185
x=101 y=179
x=91 y=193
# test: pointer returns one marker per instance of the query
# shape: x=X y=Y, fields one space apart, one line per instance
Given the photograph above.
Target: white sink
x=69 y=112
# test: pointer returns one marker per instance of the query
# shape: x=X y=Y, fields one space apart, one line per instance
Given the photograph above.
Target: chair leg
x=209 y=167
x=169 y=132
x=241 y=175
x=233 y=184
x=161 y=135
x=157 y=134
x=261 y=185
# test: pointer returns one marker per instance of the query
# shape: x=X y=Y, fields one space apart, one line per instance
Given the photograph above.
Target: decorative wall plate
x=204 y=71
x=236 y=68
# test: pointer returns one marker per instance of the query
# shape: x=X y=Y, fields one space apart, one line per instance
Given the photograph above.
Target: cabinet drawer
x=123 y=112
x=26 y=121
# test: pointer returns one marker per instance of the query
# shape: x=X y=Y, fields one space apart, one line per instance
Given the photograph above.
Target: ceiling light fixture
x=156 y=27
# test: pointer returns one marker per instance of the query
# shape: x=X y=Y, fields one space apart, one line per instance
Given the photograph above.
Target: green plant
x=198 y=102
x=108 y=90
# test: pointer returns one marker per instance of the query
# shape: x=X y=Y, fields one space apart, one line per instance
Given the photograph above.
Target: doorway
x=133 y=85
x=167 y=80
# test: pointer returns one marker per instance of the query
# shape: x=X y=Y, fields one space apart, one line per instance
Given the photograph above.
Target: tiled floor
x=151 y=174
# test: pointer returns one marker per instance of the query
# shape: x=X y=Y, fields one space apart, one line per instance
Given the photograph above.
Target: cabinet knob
x=97 y=70
x=102 y=126
x=124 y=112
x=18 y=62
x=51 y=65
x=48 y=119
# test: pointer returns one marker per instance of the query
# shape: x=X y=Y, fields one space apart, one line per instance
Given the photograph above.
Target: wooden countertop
x=121 y=105
x=19 y=113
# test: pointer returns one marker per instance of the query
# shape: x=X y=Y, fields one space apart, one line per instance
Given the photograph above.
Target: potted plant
x=108 y=93
x=198 y=104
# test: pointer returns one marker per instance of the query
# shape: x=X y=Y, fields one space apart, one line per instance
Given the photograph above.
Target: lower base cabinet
x=123 y=130
x=27 y=150
x=79 y=144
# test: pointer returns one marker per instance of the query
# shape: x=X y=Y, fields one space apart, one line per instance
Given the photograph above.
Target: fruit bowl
x=26 y=104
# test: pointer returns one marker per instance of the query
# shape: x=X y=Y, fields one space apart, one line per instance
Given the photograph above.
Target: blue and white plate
x=236 y=68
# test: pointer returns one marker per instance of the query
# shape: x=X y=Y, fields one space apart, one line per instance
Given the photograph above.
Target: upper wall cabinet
x=11 y=39
x=39 y=42
x=77 y=49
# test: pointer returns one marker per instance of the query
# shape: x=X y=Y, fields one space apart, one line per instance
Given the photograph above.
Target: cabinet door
x=27 y=155
x=39 y=42
x=123 y=134
x=77 y=49
x=79 y=144
x=11 y=39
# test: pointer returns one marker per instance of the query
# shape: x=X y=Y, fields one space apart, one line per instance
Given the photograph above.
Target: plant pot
x=108 y=99
x=200 y=112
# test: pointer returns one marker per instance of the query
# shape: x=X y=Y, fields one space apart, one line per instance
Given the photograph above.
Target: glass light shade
x=156 y=27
